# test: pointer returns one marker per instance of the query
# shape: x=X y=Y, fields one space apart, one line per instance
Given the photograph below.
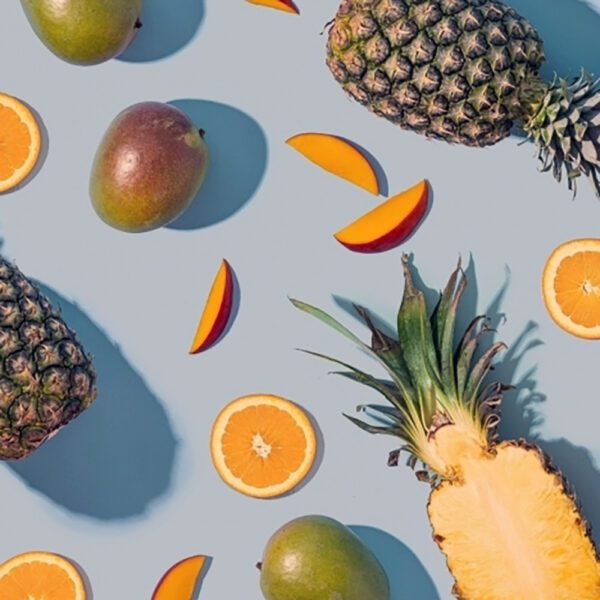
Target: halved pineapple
x=500 y=512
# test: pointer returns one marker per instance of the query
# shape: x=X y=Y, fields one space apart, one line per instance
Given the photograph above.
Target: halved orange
x=571 y=287
x=40 y=576
x=263 y=445
x=20 y=142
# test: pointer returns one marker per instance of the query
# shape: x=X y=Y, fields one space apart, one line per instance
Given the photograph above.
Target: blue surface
x=128 y=488
x=78 y=470
x=238 y=157
x=407 y=576
x=164 y=30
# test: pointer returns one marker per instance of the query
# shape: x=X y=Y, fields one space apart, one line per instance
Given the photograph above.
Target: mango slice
x=389 y=224
x=337 y=156
x=217 y=310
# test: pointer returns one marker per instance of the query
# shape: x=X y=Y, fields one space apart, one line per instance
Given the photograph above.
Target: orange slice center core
x=577 y=288
x=262 y=445
x=15 y=141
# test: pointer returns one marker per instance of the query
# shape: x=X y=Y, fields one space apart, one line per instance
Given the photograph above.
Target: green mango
x=84 y=32
x=318 y=558
x=148 y=168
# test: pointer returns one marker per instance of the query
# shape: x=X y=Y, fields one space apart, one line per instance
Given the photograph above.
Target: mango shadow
x=408 y=578
x=167 y=27
x=118 y=456
x=237 y=161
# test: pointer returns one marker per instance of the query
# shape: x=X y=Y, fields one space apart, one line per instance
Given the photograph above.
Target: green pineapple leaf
x=375 y=429
x=388 y=391
x=416 y=336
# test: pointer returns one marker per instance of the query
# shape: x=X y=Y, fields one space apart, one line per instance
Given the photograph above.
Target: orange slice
x=20 y=142
x=179 y=581
x=571 y=287
x=262 y=445
x=40 y=576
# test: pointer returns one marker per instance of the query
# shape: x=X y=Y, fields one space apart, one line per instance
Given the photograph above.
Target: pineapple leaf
x=444 y=327
x=329 y=320
x=415 y=334
x=387 y=419
x=374 y=428
x=466 y=350
x=359 y=376
x=337 y=326
x=387 y=348
x=432 y=384
x=387 y=411
x=479 y=371
x=388 y=391
x=394 y=458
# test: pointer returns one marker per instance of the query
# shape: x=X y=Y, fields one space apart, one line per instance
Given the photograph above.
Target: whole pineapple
x=500 y=512
x=465 y=71
x=46 y=378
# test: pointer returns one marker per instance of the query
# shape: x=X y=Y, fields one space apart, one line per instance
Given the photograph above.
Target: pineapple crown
x=432 y=381
x=565 y=126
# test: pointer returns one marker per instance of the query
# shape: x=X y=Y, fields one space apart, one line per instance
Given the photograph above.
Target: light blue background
x=128 y=489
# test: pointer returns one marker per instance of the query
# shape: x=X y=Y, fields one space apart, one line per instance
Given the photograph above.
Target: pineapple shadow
x=116 y=458
x=521 y=418
x=406 y=574
x=238 y=151
x=569 y=29
x=165 y=30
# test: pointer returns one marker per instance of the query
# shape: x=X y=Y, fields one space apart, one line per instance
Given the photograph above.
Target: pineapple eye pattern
x=46 y=378
x=467 y=49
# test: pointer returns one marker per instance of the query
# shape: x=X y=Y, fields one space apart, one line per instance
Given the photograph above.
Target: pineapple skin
x=507 y=541
x=46 y=378
x=463 y=71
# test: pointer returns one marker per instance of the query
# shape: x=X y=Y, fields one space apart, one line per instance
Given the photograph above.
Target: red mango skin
x=222 y=316
x=291 y=5
x=149 y=167
x=398 y=234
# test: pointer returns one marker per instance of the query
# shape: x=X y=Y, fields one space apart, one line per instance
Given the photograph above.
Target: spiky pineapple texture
x=46 y=378
x=432 y=381
x=452 y=69
x=464 y=71
x=565 y=127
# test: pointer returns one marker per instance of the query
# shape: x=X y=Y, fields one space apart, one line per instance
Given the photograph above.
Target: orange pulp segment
x=20 y=142
x=40 y=576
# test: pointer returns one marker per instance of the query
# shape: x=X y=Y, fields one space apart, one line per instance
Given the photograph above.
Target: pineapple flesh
x=500 y=512
x=465 y=71
x=46 y=378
